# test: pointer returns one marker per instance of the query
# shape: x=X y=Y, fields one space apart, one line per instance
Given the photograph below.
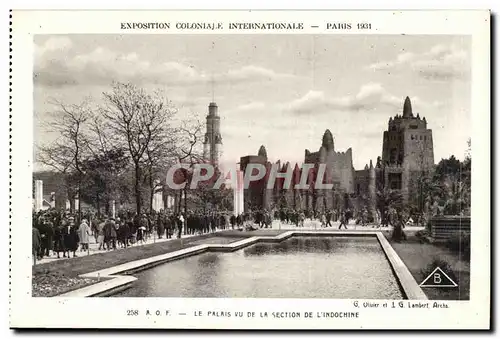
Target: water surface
x=299 y=267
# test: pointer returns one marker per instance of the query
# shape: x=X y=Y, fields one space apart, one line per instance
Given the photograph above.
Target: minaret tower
x=407 y=111
x=212 y=146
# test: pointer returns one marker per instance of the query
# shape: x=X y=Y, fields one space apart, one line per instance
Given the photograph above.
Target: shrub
x=460 y=243
x=428 y=225
x=422 y=235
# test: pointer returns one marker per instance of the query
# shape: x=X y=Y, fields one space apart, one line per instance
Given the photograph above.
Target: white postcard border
x=95 y=312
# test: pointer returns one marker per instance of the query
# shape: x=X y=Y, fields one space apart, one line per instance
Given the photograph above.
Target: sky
x=280 y=91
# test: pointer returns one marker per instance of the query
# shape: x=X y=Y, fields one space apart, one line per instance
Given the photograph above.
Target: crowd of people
x=288 y=216
x=363 y=217
x=59 y=232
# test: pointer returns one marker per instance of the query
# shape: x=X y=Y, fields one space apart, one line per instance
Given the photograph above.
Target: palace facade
x=407 y=152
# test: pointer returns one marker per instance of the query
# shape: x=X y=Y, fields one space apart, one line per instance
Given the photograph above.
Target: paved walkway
x=316 y=225
x=277 y=225
x=94 y=248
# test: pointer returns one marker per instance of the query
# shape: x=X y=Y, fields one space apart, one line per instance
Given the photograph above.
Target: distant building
x=212 y=146
x=339 y=172
x=407 y=149
x=52 y=182
x=365 y=189
x=257 y=196
x=407 y=153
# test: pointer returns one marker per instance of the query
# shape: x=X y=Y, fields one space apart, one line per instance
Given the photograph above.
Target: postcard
x=260 y=169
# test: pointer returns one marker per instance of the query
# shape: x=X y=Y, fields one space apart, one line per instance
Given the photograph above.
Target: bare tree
x=159 y=155
x=136 y=121
x=67 y=153
x=189 y=152
x=190 y=140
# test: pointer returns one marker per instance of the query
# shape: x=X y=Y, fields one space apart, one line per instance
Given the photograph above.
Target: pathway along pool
x=300 y=267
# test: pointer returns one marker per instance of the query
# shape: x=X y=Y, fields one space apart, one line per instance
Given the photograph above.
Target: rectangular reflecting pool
x=299 y=267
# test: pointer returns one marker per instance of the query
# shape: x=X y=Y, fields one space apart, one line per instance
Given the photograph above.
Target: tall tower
x=328 y=141
x=407 y=111
x=212 y=146
x=407 y=150
x=408 y=141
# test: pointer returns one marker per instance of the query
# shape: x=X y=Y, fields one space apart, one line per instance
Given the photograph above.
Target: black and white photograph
x=387 y=116
x=257 y=166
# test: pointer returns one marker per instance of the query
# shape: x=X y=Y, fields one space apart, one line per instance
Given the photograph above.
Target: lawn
x=419 y=257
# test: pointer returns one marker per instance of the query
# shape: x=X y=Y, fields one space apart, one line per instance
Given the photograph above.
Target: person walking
x=343 y=220
x=84 y=234
x=232 y=221
x=59 y=241
x=46 y=230
x=144 y=226
x=168 y=226
x=110 y=234
x=160 y=224
x=180 y=223
x=302 y=218
x=347 y=216
x=328 y=219
x=364 y=217
x=35 y=244
x=125 y=231
x=398 y=233
x=71 y=238
x=323 y=220
x=100 y=234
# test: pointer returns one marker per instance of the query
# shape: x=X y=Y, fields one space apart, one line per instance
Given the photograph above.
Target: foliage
x=206 y=194
x=205 y=197
x=453 y=177
x=104 y=177
x=444 y=190
x=387 y=198
x=422 y=235
x=460 y=243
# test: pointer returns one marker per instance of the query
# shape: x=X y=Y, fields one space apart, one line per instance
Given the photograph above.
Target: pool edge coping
x=408 y=283
x=116 y=277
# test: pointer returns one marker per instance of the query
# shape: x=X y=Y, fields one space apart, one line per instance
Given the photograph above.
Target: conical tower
x=328 y=141
x=407 y=111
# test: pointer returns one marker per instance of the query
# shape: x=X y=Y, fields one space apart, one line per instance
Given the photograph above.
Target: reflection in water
x=321 y=244
x=300 y=267
x=206 y=273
